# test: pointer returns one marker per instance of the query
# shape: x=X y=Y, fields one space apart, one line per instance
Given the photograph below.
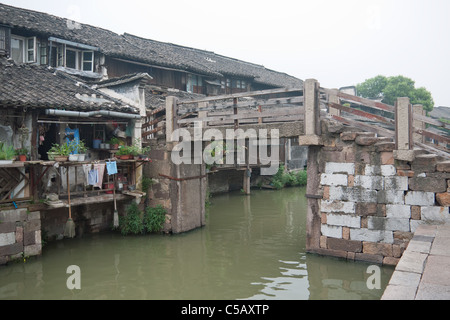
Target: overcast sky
x=339 y=43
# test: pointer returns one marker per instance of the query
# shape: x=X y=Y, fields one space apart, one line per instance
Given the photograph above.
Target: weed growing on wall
x=154 y=218
x=288 y=179
x=133 y=223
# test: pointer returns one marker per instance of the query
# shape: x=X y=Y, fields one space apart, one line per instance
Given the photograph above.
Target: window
x=5 y=39
x=17 y=49
x=23 y=49
x=31 y=49
x=75 y=59
x=88 y=60
x=43 y=53
x=71 y=59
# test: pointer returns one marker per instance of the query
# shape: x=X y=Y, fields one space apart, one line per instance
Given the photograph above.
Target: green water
x=253 y=247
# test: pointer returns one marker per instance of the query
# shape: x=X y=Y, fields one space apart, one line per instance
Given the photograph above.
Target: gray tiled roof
x=143 y=50
x=42 y=87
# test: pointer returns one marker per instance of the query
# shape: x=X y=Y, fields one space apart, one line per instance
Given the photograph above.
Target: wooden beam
x=242 y=95
x=364 y=126
x=361 y=113
x=363 y=101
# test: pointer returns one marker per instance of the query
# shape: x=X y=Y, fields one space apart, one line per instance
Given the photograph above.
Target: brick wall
x=371 y=203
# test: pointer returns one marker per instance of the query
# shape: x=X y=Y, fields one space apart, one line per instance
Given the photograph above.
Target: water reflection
x=252 y=248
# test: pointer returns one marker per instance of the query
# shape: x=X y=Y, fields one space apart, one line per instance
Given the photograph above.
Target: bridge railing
x=277 y=105
x=407 y=124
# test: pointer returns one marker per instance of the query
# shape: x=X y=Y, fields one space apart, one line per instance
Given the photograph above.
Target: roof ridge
x=56 y=17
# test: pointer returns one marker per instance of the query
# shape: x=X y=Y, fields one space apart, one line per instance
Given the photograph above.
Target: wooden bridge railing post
x=417 y=124
x=312 y=114
x=333 y=98
x=171 y=117
x=403 y=130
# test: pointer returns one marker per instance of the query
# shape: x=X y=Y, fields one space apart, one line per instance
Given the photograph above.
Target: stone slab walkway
x=423 y=272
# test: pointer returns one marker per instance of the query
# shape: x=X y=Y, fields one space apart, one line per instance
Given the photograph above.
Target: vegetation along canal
x=253 y=247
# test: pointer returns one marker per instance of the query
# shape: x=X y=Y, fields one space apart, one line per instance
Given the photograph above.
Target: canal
x=253 y=247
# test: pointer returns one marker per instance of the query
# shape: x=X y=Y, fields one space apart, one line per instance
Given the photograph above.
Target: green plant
x=146 y=183
x=21 y=151
x=63 y=149
x=7 y=152
x=282 y=179
x=131 y=223
x=154 y=218
x=114 y=140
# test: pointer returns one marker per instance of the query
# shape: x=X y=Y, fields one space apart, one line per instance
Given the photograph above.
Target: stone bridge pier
x=366 y=198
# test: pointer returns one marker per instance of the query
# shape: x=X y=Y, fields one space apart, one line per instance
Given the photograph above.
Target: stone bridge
x=372 y=179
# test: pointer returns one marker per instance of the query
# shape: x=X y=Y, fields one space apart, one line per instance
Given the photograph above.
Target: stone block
x=443 y=199
x=391 y=224
x=32 y=225
x=349 y=136
x=385 y=146
x=384 y=170
x=323 y=242
x=19 y=234
x=369 y=182
x=33 y=250
x=404 y=155
x=390 y=261
x=346 y=233
x=354 y=194
x=405 y=173
x=443 y=166
x=366 y=209
x=337 y=206
x=435 y=214
x=396 y=183
x=428 y=184
x=13 y=215
x=369 y=257
x=11 y=249
x=387 y=158
x=339 y=167
x=419 y=198
x=384 y=249
x=343 y=220
x=391 y=197
x=310 y=140
x=6 y=227
x=345 y=245
x=365 y=141
x=412 y=262
x=372 y=235
x=334 y=179
x=331 y=231
x=7 y=239
x=398 y=211
x=416 y=212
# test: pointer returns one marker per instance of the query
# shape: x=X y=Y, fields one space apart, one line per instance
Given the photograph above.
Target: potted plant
x=7 y=154
x=22 y=154
x=124 y=153
x=60 y=152
x=82 y=149
x=114 y=143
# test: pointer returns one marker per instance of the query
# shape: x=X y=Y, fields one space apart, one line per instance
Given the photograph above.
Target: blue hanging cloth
x=111 y=167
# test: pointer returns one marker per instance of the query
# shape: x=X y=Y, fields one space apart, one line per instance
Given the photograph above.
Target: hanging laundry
x=100 y=167
x=111 y=166
x=86 y=169
x=93 y=177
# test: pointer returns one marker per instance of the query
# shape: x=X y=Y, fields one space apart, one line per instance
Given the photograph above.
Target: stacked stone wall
x=20 y=234
x=372 y=203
